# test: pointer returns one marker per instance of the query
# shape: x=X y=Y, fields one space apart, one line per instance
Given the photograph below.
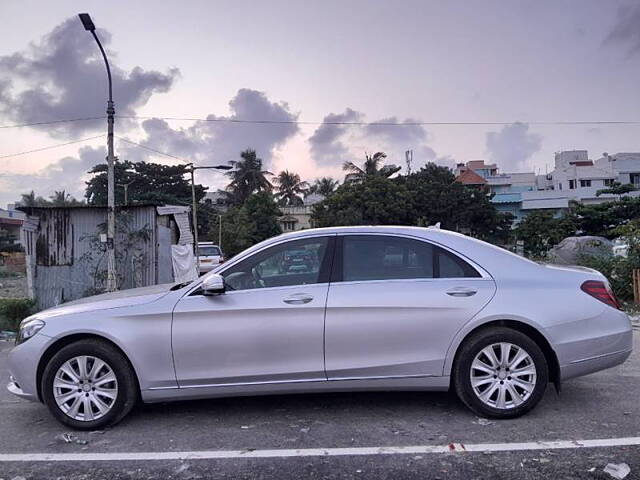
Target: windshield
x=208 y=251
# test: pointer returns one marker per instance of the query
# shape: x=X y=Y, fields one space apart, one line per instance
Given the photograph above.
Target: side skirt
x=436 y=384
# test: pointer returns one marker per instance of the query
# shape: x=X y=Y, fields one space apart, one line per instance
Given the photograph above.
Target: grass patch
x=13 y=311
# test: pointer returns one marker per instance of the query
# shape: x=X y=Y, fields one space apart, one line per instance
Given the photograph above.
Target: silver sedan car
x=337 y=309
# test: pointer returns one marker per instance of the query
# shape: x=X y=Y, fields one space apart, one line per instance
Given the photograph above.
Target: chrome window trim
x=227 y=265
x=484 y=274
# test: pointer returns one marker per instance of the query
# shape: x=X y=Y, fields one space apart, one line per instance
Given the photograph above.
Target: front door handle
x=297 y=299
x=461 y=292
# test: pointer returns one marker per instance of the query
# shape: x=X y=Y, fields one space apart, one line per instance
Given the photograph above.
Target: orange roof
x=469 y=177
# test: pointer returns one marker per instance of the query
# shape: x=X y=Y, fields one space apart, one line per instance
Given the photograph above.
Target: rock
x=617 y=470
x=568 y=251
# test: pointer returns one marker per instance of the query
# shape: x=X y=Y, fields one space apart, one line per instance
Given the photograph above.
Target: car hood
x=122 y=298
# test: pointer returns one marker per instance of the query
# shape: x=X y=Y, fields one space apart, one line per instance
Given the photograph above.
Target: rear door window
x=386 y=257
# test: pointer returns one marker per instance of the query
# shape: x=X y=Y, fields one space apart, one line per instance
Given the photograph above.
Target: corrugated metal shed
x=70 y=260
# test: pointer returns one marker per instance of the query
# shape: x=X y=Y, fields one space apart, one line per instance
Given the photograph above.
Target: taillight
x=600 y=291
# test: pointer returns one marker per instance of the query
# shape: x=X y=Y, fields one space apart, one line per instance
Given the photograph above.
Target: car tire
x=512 y=396
x=105 y=411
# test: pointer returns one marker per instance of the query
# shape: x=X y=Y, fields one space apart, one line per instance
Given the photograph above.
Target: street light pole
x=111 y=217
x=194 y=206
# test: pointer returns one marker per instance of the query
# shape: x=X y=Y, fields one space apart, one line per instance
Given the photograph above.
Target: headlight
x=28 y=328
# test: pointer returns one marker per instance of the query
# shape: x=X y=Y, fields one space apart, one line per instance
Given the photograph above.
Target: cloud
x=512 y=147
x=327 y=142
x=67 y=173
x=219 y=140
x=63 y=76
x=332 y=144
x=395 y=139
x=626 y=31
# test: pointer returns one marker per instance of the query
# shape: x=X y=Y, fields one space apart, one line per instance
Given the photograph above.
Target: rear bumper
x=591 y=345
x=590 y=365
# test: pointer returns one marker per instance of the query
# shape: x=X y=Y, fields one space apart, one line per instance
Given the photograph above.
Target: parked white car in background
x=210 y=256
x=330 y=309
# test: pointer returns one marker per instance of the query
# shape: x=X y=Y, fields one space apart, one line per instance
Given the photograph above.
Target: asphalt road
x=605 y=405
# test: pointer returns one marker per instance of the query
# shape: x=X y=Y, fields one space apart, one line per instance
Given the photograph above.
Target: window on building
x=585 y=183
x=288 y=226
x=634 y=178
x=572 y=184
x=560 y=186
x=608 y=182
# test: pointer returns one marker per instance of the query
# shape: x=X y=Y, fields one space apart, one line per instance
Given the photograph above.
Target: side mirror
x=213 y=285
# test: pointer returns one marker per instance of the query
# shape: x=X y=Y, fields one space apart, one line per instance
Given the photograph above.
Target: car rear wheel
x=500 y=373
x=89 y=384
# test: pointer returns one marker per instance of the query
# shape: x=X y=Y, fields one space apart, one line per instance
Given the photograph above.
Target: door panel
x=250 y=336
x=396 y=327
x=389 y=311
x=267 y=327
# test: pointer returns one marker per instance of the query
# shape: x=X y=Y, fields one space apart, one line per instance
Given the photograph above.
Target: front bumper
x=14 y=388
x=23 y=366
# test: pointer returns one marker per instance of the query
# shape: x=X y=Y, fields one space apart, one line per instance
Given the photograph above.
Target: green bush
x=13 y=311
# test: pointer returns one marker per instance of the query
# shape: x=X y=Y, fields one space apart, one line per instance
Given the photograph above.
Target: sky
x=310 y=64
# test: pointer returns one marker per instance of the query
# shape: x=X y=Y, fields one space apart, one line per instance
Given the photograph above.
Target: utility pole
x=220 y=232
x=194 y=206
x=111 y=204
x=126 y=191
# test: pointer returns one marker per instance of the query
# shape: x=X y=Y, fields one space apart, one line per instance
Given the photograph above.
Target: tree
x=540 y=231
x=63 y=199
x=247 y=177
x=31 y=200
x=378 y=201
x=371 y=167
x=147 y=182
x=250 y=223
x=603 y=219
x=324 y=186
x=437 y=198
x=617 y=189
x=425 y=197
x=290 y=188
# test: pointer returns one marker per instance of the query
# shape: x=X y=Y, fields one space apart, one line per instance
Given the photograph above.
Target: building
x=298 y=217
x=66 y=250
x=574 y=178
x=11 y=221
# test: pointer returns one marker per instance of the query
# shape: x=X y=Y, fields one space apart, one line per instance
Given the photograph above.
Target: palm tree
x=324 y=186
x=31 y=200
x=247 y=177
x=60 y=198
x=290 y=188
x=371 y=167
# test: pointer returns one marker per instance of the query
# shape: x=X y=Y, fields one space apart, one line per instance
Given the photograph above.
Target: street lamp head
x=223 y=167
x=87 y=22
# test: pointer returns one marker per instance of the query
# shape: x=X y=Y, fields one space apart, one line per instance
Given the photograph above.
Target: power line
x=51 y=122
x=50 y=147
x=153 y=149
x=304 y=122
x=394 y=124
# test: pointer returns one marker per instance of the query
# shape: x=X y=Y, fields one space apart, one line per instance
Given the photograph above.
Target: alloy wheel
x=503 y=375
x=85 y=388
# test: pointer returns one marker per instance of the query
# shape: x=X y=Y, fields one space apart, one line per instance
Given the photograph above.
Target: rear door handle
x=297 y=299
x=461 y=292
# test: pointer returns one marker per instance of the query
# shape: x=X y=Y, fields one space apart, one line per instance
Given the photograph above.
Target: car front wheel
x=500 y=373
x=89 y=384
